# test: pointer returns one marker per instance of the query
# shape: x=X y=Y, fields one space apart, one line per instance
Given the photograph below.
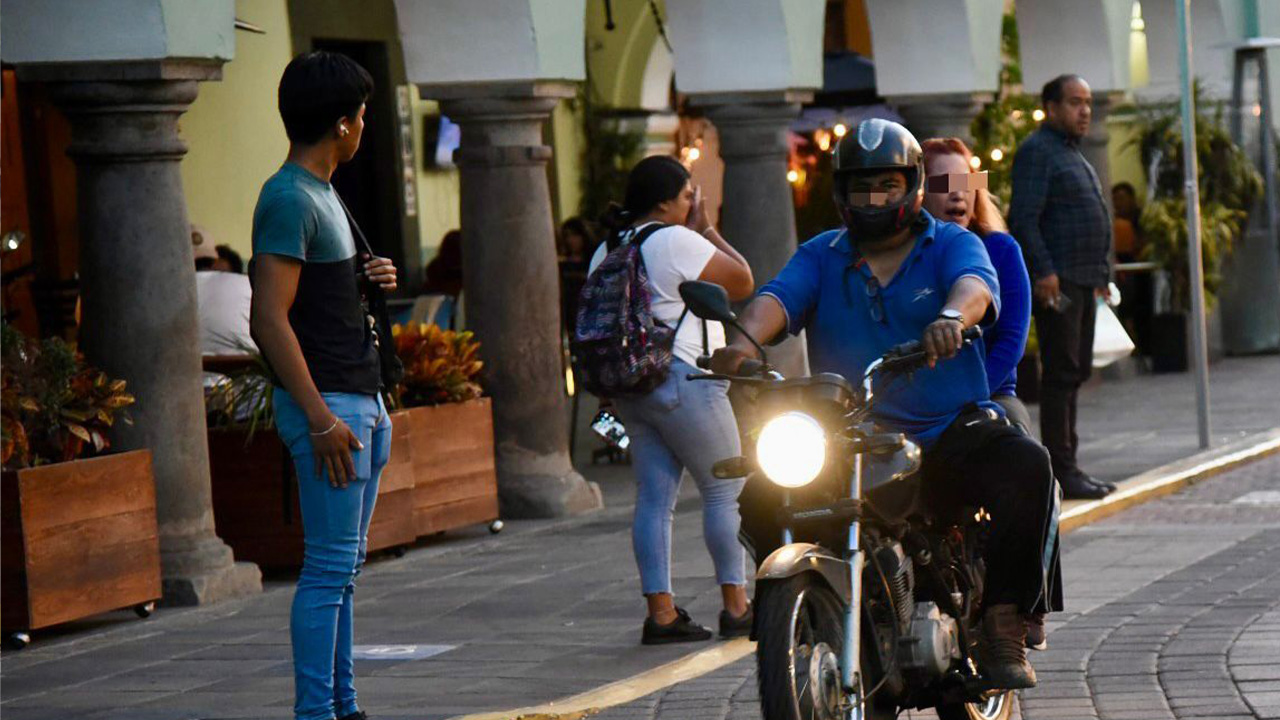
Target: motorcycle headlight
x=791 y=449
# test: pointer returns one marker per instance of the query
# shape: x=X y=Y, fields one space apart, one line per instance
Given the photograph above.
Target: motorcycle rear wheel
x=801 y=631
x=998 y=707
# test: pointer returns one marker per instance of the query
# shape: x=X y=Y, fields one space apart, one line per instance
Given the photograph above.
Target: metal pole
x=1199 y=347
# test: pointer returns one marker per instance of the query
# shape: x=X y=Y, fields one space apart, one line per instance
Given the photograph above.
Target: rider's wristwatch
x=952 y=314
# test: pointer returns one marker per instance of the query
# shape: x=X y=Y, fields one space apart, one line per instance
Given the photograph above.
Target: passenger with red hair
x=955 y=192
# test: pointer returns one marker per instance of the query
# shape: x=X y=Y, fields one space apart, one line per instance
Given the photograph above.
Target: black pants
x=985 y=462
x=1066 y=354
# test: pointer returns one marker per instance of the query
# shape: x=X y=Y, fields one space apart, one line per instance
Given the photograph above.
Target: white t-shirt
x=223 y=305
x=673 y=255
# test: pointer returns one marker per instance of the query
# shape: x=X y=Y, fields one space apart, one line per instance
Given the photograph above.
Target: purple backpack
x=618 y=347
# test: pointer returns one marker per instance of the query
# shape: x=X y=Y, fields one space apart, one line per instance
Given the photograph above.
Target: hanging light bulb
x=793 y=176
x=997 y=155
x=975 y=162
x=840 y=130
x=694 y=154
x=1037 y=115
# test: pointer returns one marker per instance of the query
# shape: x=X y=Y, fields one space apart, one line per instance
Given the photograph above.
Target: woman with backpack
x=679 y=424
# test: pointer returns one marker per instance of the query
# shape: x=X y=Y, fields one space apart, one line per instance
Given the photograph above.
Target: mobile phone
x=1062 y=303
x=609 y=427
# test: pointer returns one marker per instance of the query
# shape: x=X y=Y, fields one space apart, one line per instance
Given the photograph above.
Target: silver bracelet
x=326 y=432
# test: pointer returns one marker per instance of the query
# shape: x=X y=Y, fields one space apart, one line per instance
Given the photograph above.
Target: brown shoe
x=1002 y=654
x=1037 y=639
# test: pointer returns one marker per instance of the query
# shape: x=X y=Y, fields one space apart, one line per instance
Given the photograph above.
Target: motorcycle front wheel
x=800 y=630
x=997 y=707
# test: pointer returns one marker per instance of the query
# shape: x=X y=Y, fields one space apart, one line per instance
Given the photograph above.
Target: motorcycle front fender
x=796 y=558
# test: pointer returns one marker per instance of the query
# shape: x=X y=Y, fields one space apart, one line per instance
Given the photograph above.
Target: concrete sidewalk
x=546 y=610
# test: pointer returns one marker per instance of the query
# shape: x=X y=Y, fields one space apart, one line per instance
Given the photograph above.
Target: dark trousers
x=1066 y=355
x=985 y=462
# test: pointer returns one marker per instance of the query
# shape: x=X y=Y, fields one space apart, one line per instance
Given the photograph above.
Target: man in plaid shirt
x=1060 y=217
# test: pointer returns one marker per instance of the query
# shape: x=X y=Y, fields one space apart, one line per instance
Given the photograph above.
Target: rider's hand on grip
x=727 y=360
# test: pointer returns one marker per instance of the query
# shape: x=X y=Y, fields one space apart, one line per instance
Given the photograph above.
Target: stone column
x=1094 y=145
x=758 y=215
x=942 y=115
x=512 y=290
x=138 y=295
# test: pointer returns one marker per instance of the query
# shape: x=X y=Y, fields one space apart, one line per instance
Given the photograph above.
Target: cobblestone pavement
x=1173 y=611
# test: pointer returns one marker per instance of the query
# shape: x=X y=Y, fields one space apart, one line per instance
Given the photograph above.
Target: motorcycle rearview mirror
x=707 y=300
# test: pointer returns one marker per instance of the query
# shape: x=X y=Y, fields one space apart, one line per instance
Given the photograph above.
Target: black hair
x=653 y=181
x=316 y=90
x=1126 y=186
x=232 y=257
x=577 y=226
x=1052 y=91
x=205 y=263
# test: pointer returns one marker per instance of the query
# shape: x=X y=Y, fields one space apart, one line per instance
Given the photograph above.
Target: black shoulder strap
x=363 y=242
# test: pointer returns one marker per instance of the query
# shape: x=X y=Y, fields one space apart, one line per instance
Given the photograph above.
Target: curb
x=1168 y=479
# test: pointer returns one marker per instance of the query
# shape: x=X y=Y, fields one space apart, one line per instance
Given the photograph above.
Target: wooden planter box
x=455 y=480
x=79 y=538
x=255 y=497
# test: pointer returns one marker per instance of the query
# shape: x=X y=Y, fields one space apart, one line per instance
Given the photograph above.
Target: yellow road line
x=632 y=688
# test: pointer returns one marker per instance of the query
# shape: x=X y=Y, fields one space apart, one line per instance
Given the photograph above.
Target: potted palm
x=450 y=426
x=78 y=523
x=1228 y=184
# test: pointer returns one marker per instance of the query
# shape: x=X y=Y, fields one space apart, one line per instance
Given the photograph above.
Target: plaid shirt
x=1058 y=213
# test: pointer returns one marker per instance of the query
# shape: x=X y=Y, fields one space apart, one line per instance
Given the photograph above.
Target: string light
x=823 y=138
x=694 y=154
x=975 y=162
x=1037 y=115
x=997 y=155
x=840 y=129
x=793 y=176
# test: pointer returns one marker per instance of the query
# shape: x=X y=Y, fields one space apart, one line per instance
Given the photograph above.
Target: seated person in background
x=444 y=272
x=228 y=260
x=222 y=300
x=575 y=245
x=1125 y=222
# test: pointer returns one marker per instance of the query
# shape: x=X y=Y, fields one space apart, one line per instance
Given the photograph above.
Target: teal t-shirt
x=300 y=216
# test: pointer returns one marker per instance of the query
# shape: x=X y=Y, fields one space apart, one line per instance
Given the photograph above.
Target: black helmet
x=878 y=145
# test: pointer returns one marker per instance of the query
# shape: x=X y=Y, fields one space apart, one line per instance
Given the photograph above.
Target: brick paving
x=550 y=609
x=1173 y=612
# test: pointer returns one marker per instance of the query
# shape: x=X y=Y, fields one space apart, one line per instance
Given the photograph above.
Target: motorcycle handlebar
x=750 y=367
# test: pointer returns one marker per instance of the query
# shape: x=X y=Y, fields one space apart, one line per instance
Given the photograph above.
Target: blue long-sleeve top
x=1008 y=339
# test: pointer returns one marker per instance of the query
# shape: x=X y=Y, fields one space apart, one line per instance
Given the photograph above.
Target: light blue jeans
x=335 y=522
x=683 y=424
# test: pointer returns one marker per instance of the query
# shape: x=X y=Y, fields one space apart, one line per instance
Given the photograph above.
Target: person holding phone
x=308 y=318
x=1060 y=217
x=681 y=424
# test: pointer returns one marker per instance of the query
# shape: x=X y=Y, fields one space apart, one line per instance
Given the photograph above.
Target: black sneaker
x=732 y=627
x=357 y=715
x=682 y=629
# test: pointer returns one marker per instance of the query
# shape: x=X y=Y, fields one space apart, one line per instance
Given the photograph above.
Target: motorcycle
x=867 y=600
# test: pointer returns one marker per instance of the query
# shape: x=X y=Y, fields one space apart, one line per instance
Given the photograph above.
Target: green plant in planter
x=1229 y=185
x=1164 y=225
x=243 y=398
x=1005 y=121
x=54 y=406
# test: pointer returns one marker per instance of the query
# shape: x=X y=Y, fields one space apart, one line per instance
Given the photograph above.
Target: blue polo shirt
x=824 y=291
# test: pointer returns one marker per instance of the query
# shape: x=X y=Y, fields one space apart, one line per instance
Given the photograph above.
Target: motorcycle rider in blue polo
x=895 y=274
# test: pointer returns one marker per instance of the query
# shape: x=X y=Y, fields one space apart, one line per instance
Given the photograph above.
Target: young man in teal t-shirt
x=311 y=324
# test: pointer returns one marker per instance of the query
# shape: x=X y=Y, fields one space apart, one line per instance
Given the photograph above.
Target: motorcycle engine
x=933 y=643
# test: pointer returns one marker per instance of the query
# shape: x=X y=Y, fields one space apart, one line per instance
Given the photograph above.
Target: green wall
x=233 y=129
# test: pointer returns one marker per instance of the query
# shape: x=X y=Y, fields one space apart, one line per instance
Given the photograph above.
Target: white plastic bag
x=1110 y=341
